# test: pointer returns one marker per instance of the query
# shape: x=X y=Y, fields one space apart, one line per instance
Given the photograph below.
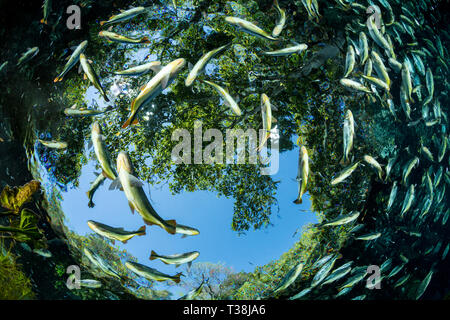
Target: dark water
x=409 y=244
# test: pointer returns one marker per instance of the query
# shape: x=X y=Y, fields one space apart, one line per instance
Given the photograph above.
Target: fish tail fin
x=43 y=21
x=173 y=226
x=177 y=277
x=145 y=40
x=102 y=23
x=343 y=161
x=141 y=231
x=298 y=201
x=57 y=79
x=130 y=120
x=153 y=255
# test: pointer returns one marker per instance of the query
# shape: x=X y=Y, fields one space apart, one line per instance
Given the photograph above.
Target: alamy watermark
x=74 y=20
x=73 y=281
x=374 y=280
x=213 y=152
x=375 y=14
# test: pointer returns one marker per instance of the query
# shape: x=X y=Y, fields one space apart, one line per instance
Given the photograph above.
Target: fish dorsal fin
x=80 y=68
x=74 y=107
x=116 y=184
x=90 y=144
x=274 y=120
x=84 y=76
x=165 y=80
x=190 y=66
x=135 y=182
x=156 y=68
x=173 y=223
x=110 y=28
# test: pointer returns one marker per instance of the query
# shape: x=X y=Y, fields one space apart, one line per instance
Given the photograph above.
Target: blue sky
x=202 y=210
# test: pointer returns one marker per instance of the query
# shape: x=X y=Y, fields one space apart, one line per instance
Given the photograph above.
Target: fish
x=289 y=278
x=368 y=67
x=406 y=82
x=363 y=44
x=137 y=199
x=369 y=236
x=345 y=173
x=312 y=9
x=408 y=168
x=374 y=164
x=438 y=176
x=54 y=144
x=73 y=60
x=101 y=264
x=303 y=174
x=43 y=252
x=429 y=82
x=176 y=259
x=354 y=85
x=186 y=231
x=281 y=20
x=427 y=153
x=249 y=28
x=301 y=294
x=380 y=68
x=3 y=66
x=337 y=274
x=405 y=103
x=113 y=233
x=140 y=70
x=426 y=206
x=266 y=112
x=150 y=273
x=349 y=61
x=226 y=97
x=397 y=66
x=90 y=283
x=101 y=152
x=123 y=16
x=402 y=280
x=392 y=196
x=341 y=220
x=47 y=7
x=377 y=36
x=199 y=66
x=378 y=82
x=320 y=262
x=74 y=112
x=194 y=292
x=395 y=270
x=28 y=55
x=94 y=186
x=442 y=149
x=390 y=165
x=423 y=285
x=112 y=36
x=409 y=198
x=299 y=48
x=91 y=75
x=324 y=271
x=154 y=87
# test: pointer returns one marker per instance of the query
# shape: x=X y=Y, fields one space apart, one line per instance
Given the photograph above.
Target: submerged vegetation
x=394 y=173
x=14 y=284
